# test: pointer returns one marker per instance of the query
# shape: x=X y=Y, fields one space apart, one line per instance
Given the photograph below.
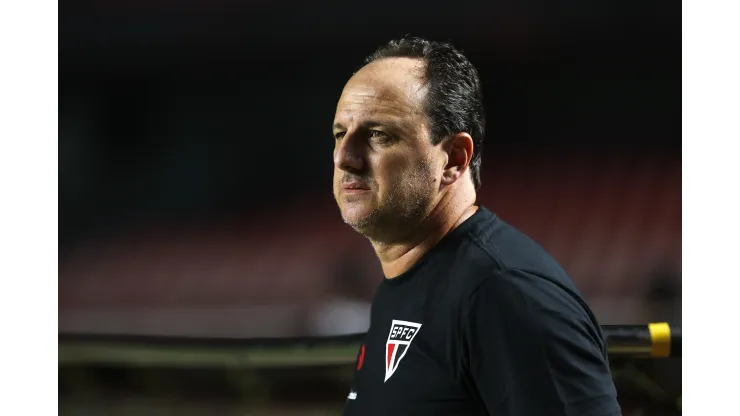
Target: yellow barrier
x=653 y=340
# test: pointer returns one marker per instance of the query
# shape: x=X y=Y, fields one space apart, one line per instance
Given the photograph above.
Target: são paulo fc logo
x=399 y=341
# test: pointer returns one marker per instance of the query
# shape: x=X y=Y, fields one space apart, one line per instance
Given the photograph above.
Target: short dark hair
x=454 y=100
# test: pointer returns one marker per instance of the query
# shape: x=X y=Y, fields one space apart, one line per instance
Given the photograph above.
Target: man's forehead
x=374 y=97
x=390 y=76
x=360 y=104
x=395 y=66
x=369 y=92
x=388 y=87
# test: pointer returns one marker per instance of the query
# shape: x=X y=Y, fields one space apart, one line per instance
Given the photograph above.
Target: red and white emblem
x=399 y=341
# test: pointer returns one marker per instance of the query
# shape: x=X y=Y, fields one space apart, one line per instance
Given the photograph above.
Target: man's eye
x=338 y=135
x=377 y=134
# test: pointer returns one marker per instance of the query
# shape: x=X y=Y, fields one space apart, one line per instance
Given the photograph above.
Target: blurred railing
x=653 y=340
x=150 y=375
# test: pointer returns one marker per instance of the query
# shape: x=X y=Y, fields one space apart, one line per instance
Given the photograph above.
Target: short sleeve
x=532 y=347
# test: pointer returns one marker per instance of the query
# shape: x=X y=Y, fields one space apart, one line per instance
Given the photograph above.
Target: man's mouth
x=354 y=187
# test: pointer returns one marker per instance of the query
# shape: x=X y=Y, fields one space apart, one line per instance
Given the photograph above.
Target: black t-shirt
x=486 y=323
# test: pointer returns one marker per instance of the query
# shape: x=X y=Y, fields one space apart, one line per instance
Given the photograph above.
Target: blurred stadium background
x=195 y=170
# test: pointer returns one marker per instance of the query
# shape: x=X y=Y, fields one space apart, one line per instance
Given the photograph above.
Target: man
x=472 y=317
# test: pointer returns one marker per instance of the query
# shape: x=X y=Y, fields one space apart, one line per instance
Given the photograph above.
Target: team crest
x=399 y=341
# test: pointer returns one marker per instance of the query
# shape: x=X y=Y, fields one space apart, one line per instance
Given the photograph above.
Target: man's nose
x=349 y=154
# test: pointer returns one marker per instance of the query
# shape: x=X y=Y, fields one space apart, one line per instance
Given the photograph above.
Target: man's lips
x=354 y=187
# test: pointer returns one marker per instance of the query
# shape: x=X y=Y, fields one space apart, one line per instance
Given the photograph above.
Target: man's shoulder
x=491 y=259
x=498 y=256
x=523 y=297
x=509 y=248
x=531 y=289
x=492 y=247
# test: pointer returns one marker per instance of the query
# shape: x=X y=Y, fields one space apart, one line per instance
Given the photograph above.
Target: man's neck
x=397 y=258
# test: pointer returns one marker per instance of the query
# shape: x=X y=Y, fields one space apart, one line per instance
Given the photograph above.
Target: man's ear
x=459 y=150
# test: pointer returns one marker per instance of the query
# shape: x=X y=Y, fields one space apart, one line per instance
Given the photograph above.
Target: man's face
x=386 y=170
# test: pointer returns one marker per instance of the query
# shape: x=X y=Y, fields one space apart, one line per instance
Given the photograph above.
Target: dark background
x=186 y=109
x=195 y=155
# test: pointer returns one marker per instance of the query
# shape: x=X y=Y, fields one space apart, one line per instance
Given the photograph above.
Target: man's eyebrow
x=390 y=123
x=370 y=124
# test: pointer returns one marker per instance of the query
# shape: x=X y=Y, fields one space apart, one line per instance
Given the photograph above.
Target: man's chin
x=358 y=219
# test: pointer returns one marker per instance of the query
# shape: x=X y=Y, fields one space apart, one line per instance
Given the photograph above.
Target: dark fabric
x=487 y=323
